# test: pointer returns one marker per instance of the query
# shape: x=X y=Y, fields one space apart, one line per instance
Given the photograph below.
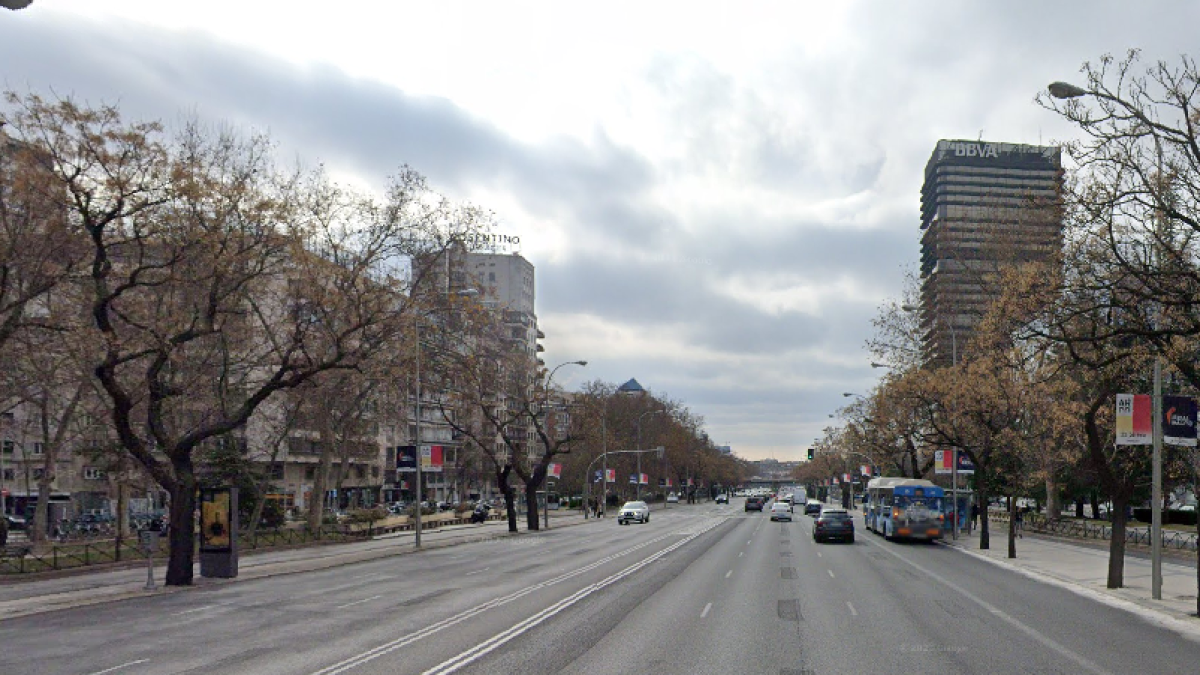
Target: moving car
x=672 y=498
x=632 y=511
x=722 y=498
x=781 y=511
x=812 y=507
x=834 y=524
x=755 y=503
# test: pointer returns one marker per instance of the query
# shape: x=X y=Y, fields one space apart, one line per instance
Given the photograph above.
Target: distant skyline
x=716 y=197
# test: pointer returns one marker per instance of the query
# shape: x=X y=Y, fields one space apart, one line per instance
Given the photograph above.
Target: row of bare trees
x=1032 y=399
x=166 y=285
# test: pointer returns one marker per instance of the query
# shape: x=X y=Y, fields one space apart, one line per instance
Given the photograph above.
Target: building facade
x=983 y=206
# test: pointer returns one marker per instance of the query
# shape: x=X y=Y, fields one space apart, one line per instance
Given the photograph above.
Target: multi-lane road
x=707 y=589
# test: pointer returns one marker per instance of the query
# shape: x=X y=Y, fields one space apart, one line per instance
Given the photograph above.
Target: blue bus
x=905 y=508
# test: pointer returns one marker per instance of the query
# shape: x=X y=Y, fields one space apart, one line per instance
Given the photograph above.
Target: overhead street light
x=1066 y=90
x=15 y=4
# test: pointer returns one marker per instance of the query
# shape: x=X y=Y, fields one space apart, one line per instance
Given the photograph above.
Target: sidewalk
x=1084 y=568
x=27 y=596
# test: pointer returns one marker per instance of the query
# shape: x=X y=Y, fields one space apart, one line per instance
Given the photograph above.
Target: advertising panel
x=1133 y=421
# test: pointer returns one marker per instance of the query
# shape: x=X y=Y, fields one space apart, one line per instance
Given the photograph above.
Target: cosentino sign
x=973 y=152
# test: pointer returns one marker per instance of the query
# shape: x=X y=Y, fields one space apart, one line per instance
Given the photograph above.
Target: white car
x=781 y=511
x=672 y=498
x=632 y=511
x=722 y=498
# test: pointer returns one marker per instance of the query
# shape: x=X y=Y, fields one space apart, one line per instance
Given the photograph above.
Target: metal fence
x=32 y=558
x=1033 y=522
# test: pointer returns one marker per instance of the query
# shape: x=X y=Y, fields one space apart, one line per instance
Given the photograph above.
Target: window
x=10 y=474
x=310 y=472
x=37 y=450
x=374 y=471
x=275 y=471
x=92 y=473
x=8 y=447
x=38 y=473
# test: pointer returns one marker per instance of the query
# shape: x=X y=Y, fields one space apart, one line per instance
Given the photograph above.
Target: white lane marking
x=747 y=543
x=359 y=602
x=477 y=572
x=729 y=574
x=830 y=574
x=705 y=612
x=741 y=553
x=454 y=663
x=368 y=576
x=195 y=609
x=853 y=612
x=1012 y=621
x=819 y=554
x=388 y=647
x=116 y=668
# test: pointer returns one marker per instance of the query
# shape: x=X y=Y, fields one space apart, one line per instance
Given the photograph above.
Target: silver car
x=632 y=511
x=781 y=511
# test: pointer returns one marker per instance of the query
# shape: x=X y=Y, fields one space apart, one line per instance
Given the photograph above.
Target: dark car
x=755 y=503
x=834 y=524
x=812 y=507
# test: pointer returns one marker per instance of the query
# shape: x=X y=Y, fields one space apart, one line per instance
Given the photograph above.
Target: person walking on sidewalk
x=1020 y=516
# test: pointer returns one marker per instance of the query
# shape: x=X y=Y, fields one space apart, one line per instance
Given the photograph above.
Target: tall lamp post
x=1065 y=90
x=549 y=380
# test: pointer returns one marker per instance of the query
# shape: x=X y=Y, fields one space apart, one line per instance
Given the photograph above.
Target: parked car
x=15 y=522
x=632 y=511
x=812 y=507
x=781 y=511
x=834 y=524
x=755 y=503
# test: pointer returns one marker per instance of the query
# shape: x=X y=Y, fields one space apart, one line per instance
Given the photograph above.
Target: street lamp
x=549 y=381
x=1064 y=90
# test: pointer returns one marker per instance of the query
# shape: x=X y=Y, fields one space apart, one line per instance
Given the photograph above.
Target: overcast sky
x=717 y=196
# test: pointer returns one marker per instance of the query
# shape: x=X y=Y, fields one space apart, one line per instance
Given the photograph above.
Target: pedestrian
x=1020 y=516
x=974 y=515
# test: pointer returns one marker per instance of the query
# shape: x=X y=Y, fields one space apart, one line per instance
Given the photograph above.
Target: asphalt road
x=697 y=589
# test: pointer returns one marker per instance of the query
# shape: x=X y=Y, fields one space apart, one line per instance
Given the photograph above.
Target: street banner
x=596 y=479
x=662 y=482
x=965 y=465
x=669 y=484
x=1179 y=420
x=865 y=471
x=612 y=476
x=431 y=458
x=406 y=459
x=645 y=479
x=1133 y=421
x=943 y=461
x=834 y=481
x=554 y=471
x=633 y=479
x=846 y=478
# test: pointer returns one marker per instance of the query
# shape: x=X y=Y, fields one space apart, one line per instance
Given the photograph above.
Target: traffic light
x=811 y=452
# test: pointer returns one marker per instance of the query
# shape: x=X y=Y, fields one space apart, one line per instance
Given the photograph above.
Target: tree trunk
x=1079 y=508
x=1096 y=505
x=181 y=534
x=1116 y=545
x=1012 y=527
x=1053 y=503
x=985 y=538
x=531 y=510
x=510 y=506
